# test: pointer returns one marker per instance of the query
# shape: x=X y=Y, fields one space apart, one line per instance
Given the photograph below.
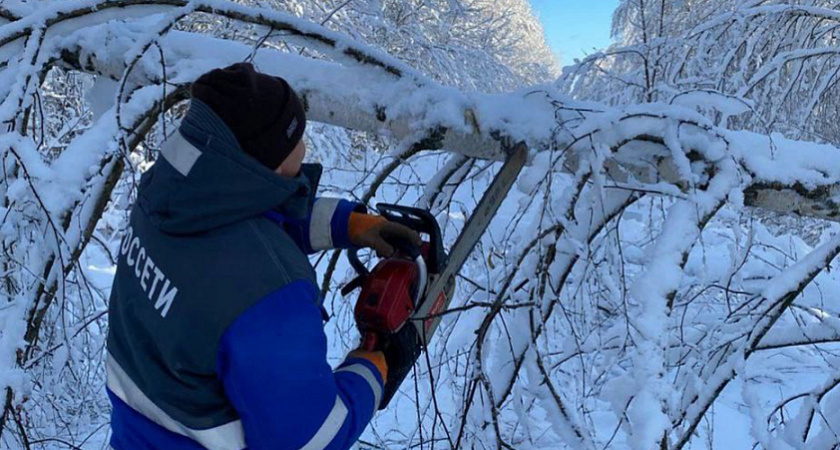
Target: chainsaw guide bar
x=427 y=317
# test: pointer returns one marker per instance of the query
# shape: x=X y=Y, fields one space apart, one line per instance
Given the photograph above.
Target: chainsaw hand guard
x=421 y=221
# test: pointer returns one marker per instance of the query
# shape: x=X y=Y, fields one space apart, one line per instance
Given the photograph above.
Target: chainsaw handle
x=356 y=263
x=413 y=218
x=405 y=246
x=369 y=341
x=421 y=221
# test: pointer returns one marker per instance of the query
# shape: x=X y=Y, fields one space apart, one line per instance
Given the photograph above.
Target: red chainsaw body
x=389 y=293
x=387 y=298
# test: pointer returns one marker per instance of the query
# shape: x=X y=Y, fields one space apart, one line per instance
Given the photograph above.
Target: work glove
x=378 y=233
x=377 y=358
x=394 y=357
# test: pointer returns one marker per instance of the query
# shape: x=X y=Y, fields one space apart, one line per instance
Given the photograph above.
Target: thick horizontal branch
x=313 y=34
x=431 y=116
x=820 y=202
x=371 y=101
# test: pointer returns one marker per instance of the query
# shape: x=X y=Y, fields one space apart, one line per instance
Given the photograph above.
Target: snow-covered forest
x=660 y=277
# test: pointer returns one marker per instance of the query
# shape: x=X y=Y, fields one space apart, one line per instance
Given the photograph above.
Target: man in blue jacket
x=216 y=334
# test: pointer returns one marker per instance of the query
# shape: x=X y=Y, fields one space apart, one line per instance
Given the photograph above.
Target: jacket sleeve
x=327 y=226
x=273 y=365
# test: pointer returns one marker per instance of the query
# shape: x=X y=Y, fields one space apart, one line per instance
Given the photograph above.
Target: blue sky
x=574 y=27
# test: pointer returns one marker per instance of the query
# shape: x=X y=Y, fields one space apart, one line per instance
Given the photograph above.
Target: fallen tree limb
x=473 y=124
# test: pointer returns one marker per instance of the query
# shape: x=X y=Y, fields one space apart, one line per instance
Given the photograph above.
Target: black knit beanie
x=263 y=111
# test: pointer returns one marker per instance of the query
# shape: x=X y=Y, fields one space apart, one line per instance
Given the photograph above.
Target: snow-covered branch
x=775 y=300
x=431 y=116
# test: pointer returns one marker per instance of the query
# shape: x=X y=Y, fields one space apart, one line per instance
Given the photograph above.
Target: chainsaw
x=404 y=296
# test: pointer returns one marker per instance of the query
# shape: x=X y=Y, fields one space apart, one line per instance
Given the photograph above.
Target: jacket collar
x=224 y=185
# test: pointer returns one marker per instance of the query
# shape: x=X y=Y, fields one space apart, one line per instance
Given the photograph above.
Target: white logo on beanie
x=292 y=127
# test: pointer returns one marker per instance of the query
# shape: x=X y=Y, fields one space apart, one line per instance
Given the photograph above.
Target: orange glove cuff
x=360 y=223
x=377 y=358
